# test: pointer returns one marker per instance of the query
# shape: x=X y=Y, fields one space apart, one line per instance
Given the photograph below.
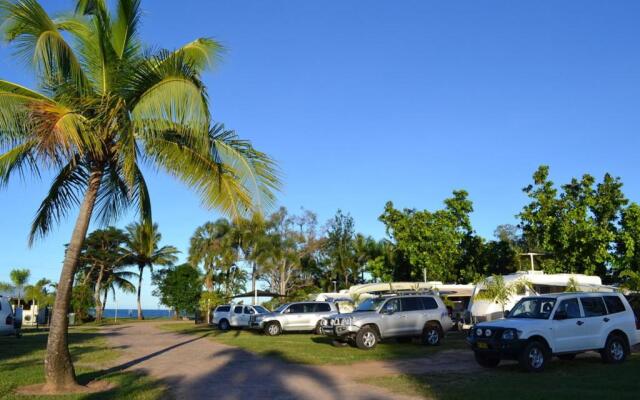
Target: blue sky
x=362 y=102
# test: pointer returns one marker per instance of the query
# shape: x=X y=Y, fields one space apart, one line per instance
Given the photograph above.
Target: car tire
x=615 y=350
x=486 y=360
x=366 y=338
x=567 y=357
x=534 y=357
x=432 y=335
x=318 y=329
x=224 y=325
x=273 y=328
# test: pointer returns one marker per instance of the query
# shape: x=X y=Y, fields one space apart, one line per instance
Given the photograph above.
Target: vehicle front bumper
x=339 y=331
x=505 y=349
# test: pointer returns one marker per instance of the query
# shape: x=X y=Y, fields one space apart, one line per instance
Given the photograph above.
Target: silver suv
x=302 y=316
x=417 y=315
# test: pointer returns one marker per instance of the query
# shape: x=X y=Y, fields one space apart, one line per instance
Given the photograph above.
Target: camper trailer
x=537 y=283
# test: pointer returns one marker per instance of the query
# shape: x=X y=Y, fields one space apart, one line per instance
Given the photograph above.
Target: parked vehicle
x=235 y=316
x=406 y=315
x=299 y=316
x=562 y=325
x=538 y=283
x=10 y=321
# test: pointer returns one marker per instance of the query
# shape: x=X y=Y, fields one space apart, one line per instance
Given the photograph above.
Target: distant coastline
x=133 y=313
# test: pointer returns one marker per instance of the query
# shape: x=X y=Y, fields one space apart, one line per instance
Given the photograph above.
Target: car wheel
x=224 y=325
x=534 y=357
x=366 y=338
x=318 y=330
x=486 y=360
x=431 y=335
x=273 y=329
x=615 y=350
x=567 y=357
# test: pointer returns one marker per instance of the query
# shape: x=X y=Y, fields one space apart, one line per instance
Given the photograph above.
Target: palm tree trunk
x=104 y=300
x=253 y=283
x=140 y=269
x=59 y=372
x=96 y=295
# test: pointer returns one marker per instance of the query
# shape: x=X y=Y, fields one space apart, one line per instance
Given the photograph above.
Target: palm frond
x=38 y=41
x=202 y=53
x=18 y=159
x=125 y=28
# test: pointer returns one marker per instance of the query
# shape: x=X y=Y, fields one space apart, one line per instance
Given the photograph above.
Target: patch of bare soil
x=42 y=389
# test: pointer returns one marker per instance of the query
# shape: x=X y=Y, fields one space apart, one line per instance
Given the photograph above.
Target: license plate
x=482 y=345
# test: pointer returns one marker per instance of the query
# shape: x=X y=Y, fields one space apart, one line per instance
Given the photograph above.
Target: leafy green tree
x=431 y=240
x=106 y=103
x=250 y=238
x=19 y=278
x=630 y=280
x=141 y=249
x=628 y=241
x=39 y=293
x=339 y=247
x=179 y=287
x=102 y=253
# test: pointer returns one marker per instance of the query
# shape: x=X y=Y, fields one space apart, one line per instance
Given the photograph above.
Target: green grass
x=313 y=349
x=21 y=364
x=579 y=379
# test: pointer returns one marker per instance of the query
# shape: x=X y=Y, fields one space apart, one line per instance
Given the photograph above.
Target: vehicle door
x=235 y=316
x=569 y=328
x=246 y=316
x=293 y=317
x=618 y=318
x=412 y=315
x=321 y=310
x=391 y=318
x=596 y=319
x=431 y=311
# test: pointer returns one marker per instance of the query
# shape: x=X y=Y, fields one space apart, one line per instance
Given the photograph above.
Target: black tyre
x=487 y=360
x=567 y=357
x=367 y=338
x=432 y=335
x=615 y=350
x=318 y=329
x=273 y=328
x=534 y=357
x=224 y=325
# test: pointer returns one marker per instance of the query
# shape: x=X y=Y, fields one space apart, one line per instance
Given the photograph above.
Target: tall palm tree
x=210 y=247
x=19 y=278
x=105 y=103
x=117 y=278
x=141 y=249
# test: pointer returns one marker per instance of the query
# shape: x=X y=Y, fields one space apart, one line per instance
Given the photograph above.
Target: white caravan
x=538 y=283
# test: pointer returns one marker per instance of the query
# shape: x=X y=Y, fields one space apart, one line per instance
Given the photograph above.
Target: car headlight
x=347 y=321
x=479 y=332
x=488 y=332
x=509 y=334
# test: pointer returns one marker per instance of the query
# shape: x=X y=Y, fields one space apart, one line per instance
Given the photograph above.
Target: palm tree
x=141 y=249
x=117 y=278
x=496 y=289
x=19 y=278
x=104 y=104
x=209 y=247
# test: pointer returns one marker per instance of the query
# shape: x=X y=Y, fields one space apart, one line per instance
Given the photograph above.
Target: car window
x=223 y=309
x=393 y=305
x=309 y=307
x=261 y=310
x=570 y=307
x=614 y=304
x=249 y=310
x=237 y=309
x=593 y=306
x=323 y=307
x=533 y=307
x=295 y=309
x=429 y=303
x=411 y=304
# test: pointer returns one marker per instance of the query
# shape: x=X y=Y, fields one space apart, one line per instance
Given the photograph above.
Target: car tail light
x=10 y=320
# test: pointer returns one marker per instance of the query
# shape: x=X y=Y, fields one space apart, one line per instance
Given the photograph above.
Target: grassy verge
x=21 y=363
x=578 y=379
x=313 y=349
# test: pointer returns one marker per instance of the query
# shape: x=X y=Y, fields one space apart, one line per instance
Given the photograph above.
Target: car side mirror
x=560 y=315
x=388 y=310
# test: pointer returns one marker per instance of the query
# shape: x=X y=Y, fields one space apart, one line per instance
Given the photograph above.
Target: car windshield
x=533 y=307
x=281 y=308
x=261 y=310
x=370 y=304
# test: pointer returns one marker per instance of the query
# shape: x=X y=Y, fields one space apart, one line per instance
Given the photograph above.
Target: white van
x=9 y=322
x=540 y=284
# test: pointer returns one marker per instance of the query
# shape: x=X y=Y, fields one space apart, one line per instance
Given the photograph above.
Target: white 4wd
x=414 y=315
x=560 y=325
x=237 y=316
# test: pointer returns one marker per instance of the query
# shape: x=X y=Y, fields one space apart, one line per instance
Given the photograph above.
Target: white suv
x=10 y=321
x=560 y=325
x=237 y=316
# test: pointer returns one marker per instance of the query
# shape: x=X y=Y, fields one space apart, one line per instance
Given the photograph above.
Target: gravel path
x=194 y=367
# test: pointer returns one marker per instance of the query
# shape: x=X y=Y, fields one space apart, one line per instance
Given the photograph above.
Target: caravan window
x=546 y=289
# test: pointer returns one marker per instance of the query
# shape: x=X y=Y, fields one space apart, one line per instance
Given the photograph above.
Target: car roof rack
x=409 y=293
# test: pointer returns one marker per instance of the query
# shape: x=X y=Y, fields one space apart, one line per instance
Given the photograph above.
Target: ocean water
x=133 y=313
